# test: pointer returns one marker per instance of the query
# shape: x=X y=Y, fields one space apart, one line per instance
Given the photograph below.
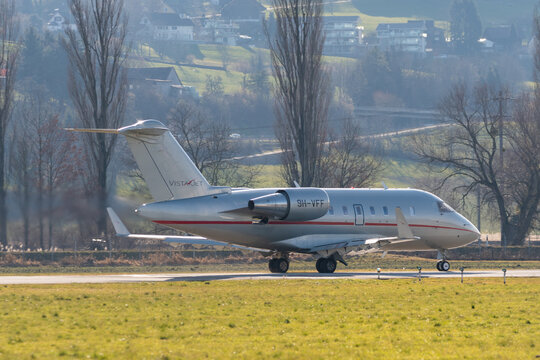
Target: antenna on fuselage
x=384 y=185
x=296 y=184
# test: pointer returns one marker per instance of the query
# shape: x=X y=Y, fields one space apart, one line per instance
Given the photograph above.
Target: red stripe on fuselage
x=419 y=225
x=277 y=222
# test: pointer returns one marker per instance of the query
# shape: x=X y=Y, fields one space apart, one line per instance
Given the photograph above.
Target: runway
x=134 y=278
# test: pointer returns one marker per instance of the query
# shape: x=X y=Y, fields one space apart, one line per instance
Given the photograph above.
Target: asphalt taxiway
x=134 y=278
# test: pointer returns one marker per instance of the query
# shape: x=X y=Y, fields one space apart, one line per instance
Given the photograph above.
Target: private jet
x=327 y=223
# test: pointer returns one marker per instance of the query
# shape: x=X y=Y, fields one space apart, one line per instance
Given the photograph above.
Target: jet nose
x=472 y=232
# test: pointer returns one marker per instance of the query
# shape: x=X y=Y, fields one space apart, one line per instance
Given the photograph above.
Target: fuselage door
x=358 y=214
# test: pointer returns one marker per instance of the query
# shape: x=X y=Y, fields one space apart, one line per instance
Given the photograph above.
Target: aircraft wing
x=342 y=244
x=122 y=231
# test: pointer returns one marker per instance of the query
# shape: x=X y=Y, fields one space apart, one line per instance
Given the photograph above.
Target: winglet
x=404 y=231
x=119 y=227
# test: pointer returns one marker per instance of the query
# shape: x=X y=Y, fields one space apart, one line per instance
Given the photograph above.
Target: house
x=166 y=26
x=415 y=36
x=164 y=80
x=218 y=31
x=504 y=37
x=343 y=35
x=58 y=22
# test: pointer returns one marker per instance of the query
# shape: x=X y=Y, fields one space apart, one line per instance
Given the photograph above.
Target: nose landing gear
x=443 y=265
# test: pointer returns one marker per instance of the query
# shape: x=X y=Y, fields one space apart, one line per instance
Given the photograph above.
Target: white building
x=167 y=26
x=220 y=32
x=343 y=35
x=415 y=36
x=58 y=22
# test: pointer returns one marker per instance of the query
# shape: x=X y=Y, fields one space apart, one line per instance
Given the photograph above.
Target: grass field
x=304 y=319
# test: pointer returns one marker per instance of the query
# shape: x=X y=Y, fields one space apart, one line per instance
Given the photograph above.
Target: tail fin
x=165 y=166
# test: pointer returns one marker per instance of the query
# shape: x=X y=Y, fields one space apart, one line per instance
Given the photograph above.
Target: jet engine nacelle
x=298 y=204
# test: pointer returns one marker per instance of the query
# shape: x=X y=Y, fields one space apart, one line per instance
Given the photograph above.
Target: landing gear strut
x=278 y=265
x=326 y=265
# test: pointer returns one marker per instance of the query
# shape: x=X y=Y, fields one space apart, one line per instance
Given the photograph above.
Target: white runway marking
x=131 y=278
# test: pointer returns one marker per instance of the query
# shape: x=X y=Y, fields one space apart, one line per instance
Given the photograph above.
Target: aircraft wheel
x=272 y=265
x=282 y=265
x=278 y=265
x=326 y=265
x=443 y=265
x=318 y=265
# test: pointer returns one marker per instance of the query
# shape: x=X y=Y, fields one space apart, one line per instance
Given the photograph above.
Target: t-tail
x=165 y=166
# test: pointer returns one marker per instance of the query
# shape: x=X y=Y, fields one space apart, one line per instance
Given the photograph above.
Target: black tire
x=439 y=266
x=272 y=265
x=331 y=266
x=445 y=265
x=318 y=265
x=326 y=265
x=282 y=265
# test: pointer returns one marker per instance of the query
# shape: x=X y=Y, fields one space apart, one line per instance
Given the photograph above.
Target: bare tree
x=22 y=175
x=349 y=160
x=58 y=162
x=97 y=81
x=9 y=53
x=209 y=146
x=35 y=108
x=470 y=149
x=302 y=93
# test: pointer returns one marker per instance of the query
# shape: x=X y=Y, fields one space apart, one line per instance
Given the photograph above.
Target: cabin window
x=412 y=210
x=385 y=210
x=331 y=210
x=345 y=210
x=444 y=207
x=372 y=210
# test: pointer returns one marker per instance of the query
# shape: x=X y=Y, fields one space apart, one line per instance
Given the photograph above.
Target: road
x=134 y=278
x=411 y=131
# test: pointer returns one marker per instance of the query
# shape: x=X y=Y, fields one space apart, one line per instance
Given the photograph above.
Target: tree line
x=44 y=165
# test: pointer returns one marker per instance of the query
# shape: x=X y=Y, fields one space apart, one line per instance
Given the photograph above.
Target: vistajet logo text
x=182 y=183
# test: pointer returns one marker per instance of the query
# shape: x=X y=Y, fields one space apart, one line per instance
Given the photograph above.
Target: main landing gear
x=278 y=265
x=326 y=265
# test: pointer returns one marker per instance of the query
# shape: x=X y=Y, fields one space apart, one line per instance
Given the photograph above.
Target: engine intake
x=296 y=204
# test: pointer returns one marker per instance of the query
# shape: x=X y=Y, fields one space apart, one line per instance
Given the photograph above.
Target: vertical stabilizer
x=165 y=166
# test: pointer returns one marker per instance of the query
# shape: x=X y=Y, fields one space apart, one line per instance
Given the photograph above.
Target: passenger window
x=385 y=210
x=412 y=210
x=345 y=210
x=331 y=210
x=372 y=210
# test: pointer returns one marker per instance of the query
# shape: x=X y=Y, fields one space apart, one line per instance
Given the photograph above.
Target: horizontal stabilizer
x=97 y=131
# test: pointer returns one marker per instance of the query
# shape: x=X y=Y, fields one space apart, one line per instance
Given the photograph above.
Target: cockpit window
x=444 y=207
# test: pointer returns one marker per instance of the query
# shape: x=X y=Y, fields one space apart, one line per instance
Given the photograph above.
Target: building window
x=345 y=210
x=372 y=210
x=385 y=210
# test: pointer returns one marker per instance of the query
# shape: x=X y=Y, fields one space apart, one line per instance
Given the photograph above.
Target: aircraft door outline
x=358 y=214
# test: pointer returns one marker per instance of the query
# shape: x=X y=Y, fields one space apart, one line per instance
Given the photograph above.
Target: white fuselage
x=370 y=212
